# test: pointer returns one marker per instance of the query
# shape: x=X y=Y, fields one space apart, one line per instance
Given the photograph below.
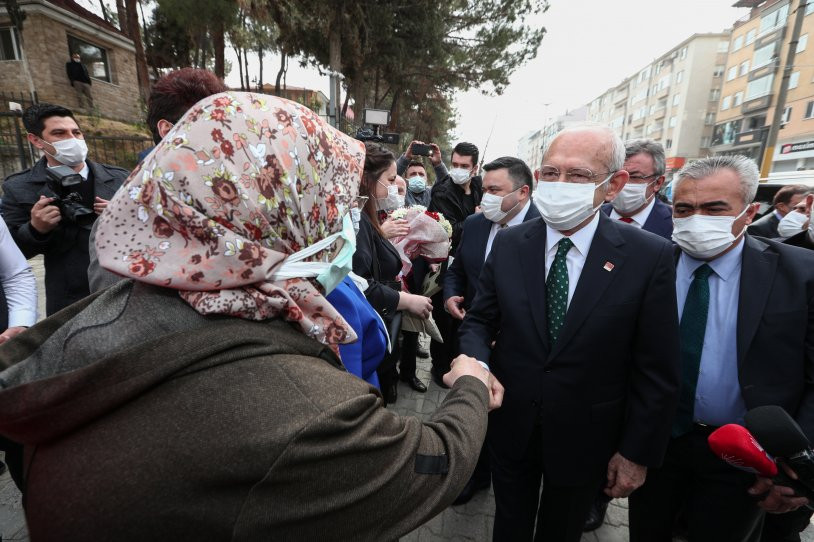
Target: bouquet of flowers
x=428 y=237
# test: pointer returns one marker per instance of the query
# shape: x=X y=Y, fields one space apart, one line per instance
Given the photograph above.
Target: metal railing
x=117 y=151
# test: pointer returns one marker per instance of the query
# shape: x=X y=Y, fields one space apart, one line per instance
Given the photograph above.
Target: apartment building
x=758 y=49
x=531 y=146
x=672 y=100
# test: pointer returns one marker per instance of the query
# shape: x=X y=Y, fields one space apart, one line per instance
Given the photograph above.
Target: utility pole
x=780 y=107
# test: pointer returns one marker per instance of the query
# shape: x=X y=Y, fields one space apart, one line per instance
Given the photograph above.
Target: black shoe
x=469 y=490
x=391 y=394
x=415 y=383
x=597 y=515
x=439 y=381
x=422 y=353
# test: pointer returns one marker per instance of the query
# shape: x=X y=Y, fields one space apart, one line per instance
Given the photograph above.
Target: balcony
x=756 y=104
x=637 y=122
x=659 y=113
x=620 y=97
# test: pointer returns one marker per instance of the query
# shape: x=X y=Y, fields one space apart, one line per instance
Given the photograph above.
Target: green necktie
x=556 y=290
x=693 y=326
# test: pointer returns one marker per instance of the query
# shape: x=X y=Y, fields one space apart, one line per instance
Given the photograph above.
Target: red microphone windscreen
x=735 y=445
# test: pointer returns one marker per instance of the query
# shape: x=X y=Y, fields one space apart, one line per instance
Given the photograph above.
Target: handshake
x=466 y=366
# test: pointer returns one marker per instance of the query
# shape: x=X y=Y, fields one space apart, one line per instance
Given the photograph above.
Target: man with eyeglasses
x=582 y=313
x=637 y=203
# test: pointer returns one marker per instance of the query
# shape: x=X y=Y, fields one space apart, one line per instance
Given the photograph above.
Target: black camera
x=367 y=134
x=64 y=182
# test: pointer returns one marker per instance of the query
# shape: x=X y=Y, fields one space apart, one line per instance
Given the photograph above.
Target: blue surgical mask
x=328 y=274
x=417 y=184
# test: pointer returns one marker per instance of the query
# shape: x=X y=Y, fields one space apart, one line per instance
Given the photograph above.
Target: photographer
x=50 y=211
x=412 y=168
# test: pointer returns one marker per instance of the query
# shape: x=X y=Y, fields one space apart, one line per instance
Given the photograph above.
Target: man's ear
x=616 y=184
x=809 y=203
x=164 y=126
x=34 y=140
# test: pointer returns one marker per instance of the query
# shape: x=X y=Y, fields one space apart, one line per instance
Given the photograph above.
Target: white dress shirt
x=18 y=282
x=575 y=260
x=639 y=218
x=517 y=219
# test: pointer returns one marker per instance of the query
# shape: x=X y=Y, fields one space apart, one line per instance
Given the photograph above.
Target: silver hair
x=615 y=159
x=745 y=168
x=650 y=147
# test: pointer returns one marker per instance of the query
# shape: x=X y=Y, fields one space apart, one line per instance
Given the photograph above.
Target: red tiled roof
x=75 y=8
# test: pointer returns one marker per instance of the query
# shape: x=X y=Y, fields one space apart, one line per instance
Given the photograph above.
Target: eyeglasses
x=573 y=175
x=640 y=178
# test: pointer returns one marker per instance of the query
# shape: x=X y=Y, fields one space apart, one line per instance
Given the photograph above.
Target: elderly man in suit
x=581 y=311
x=637 y=203
x=747 y=329
x=784 y=201
x=507 y=186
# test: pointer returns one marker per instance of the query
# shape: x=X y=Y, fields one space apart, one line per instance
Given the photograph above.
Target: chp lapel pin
x=608 y=266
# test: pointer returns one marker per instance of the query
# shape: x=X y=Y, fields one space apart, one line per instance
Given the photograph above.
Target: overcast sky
x=590 y=45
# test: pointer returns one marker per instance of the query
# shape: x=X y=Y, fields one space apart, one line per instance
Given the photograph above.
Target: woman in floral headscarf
x=202 y=399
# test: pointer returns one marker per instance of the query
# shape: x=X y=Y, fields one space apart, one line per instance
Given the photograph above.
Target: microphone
x=736 y=445
x=782 y=437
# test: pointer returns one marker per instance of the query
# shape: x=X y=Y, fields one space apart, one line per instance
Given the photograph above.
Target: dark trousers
x=386 y=371
x=709 y=494
x=409 y=350
x=559 y=513
x=785 y=527
x=443 y=353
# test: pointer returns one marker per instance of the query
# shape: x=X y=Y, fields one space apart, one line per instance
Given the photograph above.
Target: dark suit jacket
x=776 y=329
x=610 y=382
x=462 y=276
x=66 y=247
x=799 y=240
x=766 y=226
x=377 y=261
x=659 y=222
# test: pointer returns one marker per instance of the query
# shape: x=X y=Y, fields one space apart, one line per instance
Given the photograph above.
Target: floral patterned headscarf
x=242 y=181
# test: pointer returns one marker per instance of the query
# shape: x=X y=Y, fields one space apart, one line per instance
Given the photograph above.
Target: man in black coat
x=582 y=313
x=747 y=330
x=784 y=201
x=507 y=186
x=79 y=78
x=37 y=224
x=456 y=196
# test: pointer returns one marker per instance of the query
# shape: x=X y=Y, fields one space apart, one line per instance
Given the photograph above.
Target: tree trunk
x=359 y=93
x=134 y=32
x=246 y=67
x=260 y=75
x=219 y=45
x=105 y=16
x=335 y=55
x=280 y=72
x=394 y=111
x=376 y=88
x=345 y=105
x=240 y=67
x=121 y=11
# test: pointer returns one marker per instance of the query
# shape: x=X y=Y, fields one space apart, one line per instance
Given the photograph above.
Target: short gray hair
x=650 y=147
x=616 y=148
x=745 y=168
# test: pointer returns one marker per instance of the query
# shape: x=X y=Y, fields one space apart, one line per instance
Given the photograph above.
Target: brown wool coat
x=143 y=420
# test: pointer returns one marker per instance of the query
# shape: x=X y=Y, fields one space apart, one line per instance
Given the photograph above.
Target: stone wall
x=46 y=47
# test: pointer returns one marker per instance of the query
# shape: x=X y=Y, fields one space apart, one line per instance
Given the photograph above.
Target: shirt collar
x=724 y=266
x=521 y=216
x=581 y=239
x=639 y=218
x=85 y=171
x=778 y=215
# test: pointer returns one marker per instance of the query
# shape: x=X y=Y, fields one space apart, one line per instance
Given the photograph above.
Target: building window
x=737 y=99
x=679 y=77
x=9 y=48
x=719 y=71
x=774 y=19
x=763 y=56
x=673 y=121
x=93 y=57
x=714 y=94
x=732 y=73
x=724 y=134
x=705 y=141
x=726 y=102
x=644 y=74
x=759 y=87
x=750 y=36
x=676 y=99
x=668 y=144
x=803 y=41
x=794 y=79
x=737 y=43
x=709 y=119
x=809 y=110
x=723 y=46
x=743 y=68
x=682 y=54
x=809 y=8
x=786 y=115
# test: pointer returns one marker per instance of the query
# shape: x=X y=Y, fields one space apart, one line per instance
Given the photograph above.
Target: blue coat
x=659 y=222
x=462 y=276
x=361 y=358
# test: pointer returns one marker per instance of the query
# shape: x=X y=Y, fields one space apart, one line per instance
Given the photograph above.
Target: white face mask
x=70 y=152
x=704 y=237
x=632 y=197
x=791 y=224
x=563 y=205
x=459 y=175
x=392 y=202
x=492 y=206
